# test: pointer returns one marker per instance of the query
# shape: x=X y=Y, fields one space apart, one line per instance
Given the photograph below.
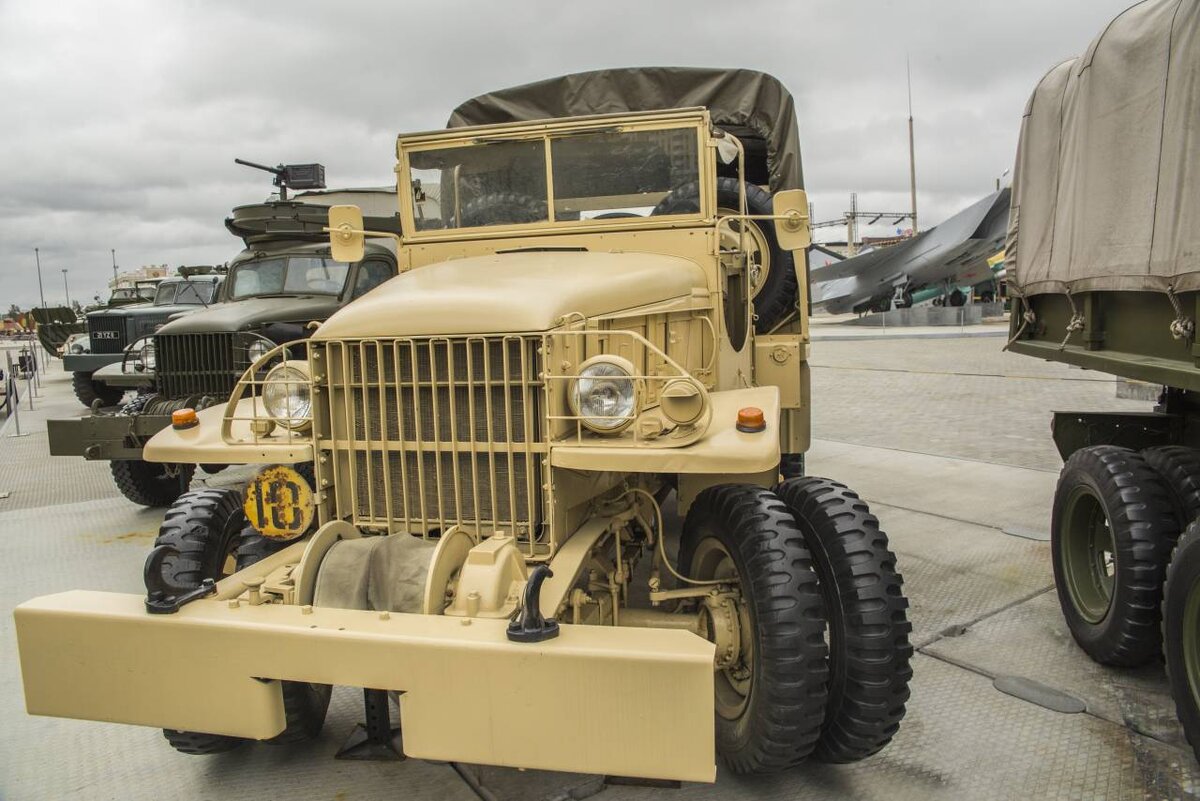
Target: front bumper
x=616 y=701
x=88 y=362
x=114 y=376
x=104 y=436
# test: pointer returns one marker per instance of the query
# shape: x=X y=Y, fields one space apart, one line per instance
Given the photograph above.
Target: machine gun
x=292 y=176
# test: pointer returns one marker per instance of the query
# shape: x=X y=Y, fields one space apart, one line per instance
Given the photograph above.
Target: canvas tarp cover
x=742 y=101
x=1106 y=190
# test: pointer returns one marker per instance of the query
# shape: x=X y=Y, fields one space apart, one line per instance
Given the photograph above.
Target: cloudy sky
x=122 y=119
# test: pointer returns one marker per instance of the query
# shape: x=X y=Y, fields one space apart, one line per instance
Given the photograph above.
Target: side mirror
x=792 y=230
x=347 y=242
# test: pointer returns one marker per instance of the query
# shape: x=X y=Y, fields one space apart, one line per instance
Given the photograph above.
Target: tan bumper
x=616 y=701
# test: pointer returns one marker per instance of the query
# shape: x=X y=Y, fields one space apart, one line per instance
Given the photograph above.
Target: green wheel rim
x=1191 y=641
x=1088 y=553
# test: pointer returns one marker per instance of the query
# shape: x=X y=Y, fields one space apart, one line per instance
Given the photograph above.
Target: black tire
x=776 y=296
x=957 y=298
x=209 y=530
x=791 y=465
x=1112 y=531
x=151 y=483
x=1179 y=469
x=778 y=720
x=1181 y=632
x=869 y=651
x=89 y=391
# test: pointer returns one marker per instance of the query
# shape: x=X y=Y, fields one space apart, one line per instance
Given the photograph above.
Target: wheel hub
x=1089 y=556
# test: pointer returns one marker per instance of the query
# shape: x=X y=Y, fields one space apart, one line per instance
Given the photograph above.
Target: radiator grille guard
x=107 y=333
x=427 y=433
x=419 y=434
x=201 y=364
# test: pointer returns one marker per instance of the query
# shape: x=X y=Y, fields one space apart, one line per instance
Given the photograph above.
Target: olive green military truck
x=283 y=281
x=1104 y=257
x=547 y=507
x=111 y=330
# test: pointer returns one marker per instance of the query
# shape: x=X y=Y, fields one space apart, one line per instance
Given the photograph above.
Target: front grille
x=197 y=364
x=108 y=333
x=427 y=433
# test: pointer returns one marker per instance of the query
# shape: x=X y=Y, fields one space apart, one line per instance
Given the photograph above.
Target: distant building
x=144 y=273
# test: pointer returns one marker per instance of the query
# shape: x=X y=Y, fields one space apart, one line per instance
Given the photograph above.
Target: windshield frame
x=230 y=283
x=547 y=132
x=201 y=301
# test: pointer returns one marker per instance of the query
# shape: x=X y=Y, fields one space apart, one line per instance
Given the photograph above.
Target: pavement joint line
x=936 y=455
x=957 y=374
x=951 y=518
x=939 y=636
x=473 y=783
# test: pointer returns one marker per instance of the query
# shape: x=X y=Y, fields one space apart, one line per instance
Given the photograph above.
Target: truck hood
x=241 y=315
x=512 y=292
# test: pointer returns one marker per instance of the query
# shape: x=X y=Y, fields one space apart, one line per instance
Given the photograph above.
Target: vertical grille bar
x=431 y=438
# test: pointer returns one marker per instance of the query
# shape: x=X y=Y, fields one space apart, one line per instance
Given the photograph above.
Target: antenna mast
x=912 y=156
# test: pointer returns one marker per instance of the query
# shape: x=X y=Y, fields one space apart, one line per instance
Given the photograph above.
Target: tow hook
x=529 y=625
x=162 y=599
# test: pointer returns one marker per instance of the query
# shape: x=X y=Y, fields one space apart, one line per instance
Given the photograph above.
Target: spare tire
x=775 y=288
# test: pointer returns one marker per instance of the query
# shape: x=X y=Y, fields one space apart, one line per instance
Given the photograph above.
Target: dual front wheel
x=1127 y=582
x=823 y=662
x=209 y=531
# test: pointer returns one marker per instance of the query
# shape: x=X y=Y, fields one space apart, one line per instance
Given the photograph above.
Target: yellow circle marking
x=279 y=503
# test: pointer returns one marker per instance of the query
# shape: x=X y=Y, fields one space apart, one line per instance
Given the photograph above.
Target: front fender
x=721 y=449
x=205 y=444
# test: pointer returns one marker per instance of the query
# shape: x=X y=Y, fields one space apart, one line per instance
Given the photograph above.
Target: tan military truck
x=547 y=508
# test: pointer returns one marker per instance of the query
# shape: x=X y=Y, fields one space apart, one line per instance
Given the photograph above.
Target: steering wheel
x=502 y=208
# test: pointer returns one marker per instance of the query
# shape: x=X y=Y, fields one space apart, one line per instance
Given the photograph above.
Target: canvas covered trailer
x=1104 y=251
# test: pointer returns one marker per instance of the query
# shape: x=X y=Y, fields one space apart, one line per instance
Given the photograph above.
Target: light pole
x=114 y=255
x=37 y=257
x=65 y=289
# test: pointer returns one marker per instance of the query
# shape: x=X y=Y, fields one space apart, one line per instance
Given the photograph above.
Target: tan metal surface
x=590 y=700
x=204 y=443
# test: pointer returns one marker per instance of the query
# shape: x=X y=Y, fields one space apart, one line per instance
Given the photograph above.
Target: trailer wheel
x=770 y=700
x=1179 y=469
x=89 y=391
x=864 y=601
x=209 y=530
x=1112 y=530
x=151 y=483
x=1181 y=632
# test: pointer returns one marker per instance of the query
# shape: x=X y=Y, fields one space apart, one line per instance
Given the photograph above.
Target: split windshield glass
x=185 y=293
x=597 y=175
x=296 y=275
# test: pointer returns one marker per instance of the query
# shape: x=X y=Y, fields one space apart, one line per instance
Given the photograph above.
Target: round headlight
x=147 y=355
x=77 y=348
x=287 y=396
x=604 y=394
x=258 y=348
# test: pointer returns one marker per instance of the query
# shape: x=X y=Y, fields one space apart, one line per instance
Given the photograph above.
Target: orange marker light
x=186 y=418
x=750 y=420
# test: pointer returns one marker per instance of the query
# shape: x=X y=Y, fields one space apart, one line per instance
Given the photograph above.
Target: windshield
x=185 y=292
x=597 y=175
x=295 y=275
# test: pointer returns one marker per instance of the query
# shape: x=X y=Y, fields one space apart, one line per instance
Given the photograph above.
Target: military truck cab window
x=288 y=276
x=370 y=275
x=190 y=293
x=497 y=183
x=594 y=175
x=615 y=174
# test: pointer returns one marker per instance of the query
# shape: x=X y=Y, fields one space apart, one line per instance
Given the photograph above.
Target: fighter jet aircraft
x=949 y=255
